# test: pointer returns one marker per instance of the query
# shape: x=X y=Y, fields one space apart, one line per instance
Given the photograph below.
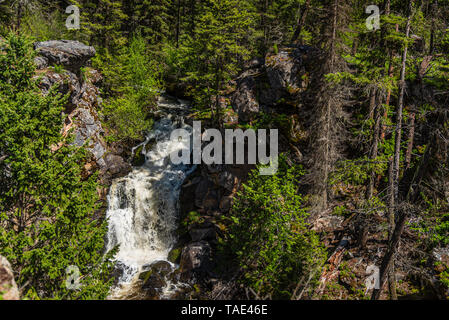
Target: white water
x=143 y=206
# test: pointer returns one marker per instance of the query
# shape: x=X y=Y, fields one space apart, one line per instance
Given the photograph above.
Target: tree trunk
x=374 y=149
x=432 y=30
x=388 y=258
x=411 y=136
x=301 y=22
x=398 y=130
x=388 y=263
x=178 y=23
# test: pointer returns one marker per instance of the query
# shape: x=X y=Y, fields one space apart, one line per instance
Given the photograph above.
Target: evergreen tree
x=216 y=50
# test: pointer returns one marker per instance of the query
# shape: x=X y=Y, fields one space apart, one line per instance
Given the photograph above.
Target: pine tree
x=216 y=50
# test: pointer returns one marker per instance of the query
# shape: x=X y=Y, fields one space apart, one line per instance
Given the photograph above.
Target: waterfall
x=143 y=206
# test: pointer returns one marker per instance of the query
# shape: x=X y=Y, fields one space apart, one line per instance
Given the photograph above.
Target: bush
x=270 y=236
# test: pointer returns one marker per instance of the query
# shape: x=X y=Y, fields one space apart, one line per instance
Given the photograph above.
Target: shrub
x=270 y=236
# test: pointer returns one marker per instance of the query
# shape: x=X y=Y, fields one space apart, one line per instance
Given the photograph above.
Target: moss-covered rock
x=174 y=255
x=138 y=158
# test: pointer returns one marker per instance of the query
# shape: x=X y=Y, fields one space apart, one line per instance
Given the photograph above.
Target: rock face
x=195 y=260
x=71 y=54
x=8 y=287
x=83 y=103
x=271 y=82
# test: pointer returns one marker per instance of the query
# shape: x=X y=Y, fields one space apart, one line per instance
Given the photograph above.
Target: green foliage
x=102 y=22
x=58 y=69
x=211 y=57
x=46 y=207
x=42 y=25
x=270 y=236
x=434 y=224
x=133 y=82
x=357 y=171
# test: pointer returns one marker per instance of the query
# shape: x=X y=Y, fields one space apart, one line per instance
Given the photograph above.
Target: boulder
x=67 y=82
x=159 y=267
x=41 y=62
x=138 y=158
x=174 y=255
x=195 y=258
x=226 y=203
x=154 y=278
x=116 y=166
x=8 y=286
x=68 y=53
x=244 y=99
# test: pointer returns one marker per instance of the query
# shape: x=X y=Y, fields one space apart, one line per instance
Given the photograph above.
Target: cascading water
x=143 y=206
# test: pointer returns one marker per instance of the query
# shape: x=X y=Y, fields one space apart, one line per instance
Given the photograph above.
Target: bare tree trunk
x=388 y=258
x=178 y=23
x=301 y=22
x=432 y=30
x=398 y=130
x=411 y=136
x=391 y=227
x=388 y=263
x=374 y=148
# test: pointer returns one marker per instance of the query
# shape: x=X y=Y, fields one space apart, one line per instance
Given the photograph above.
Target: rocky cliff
x=66 y=64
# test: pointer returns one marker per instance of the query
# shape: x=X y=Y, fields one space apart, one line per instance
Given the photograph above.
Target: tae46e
x=243 y=309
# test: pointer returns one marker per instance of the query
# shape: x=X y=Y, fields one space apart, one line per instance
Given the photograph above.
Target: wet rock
x=227 y=180
x=198 y=234
x=160 y=267
x=154 y=277
x=115 y=167
x=138 y=158
x=188 y=192
x=195 y=258
x=174 y=256
x=8 y=286
x=70 y=54
x=226 y=203
x=202 y=192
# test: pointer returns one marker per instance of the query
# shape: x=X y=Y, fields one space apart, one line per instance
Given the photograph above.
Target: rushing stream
x=143 y=206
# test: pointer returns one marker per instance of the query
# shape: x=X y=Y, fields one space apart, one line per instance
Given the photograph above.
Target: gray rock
x=244 y=100
x=70 y=54
x=41 y=62
x=227 y=180
x=8 y=286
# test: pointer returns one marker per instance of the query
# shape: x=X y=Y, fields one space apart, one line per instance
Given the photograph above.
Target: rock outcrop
x=8 y=286
x=81 y=83
x=271 y=82
x=72 y=55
